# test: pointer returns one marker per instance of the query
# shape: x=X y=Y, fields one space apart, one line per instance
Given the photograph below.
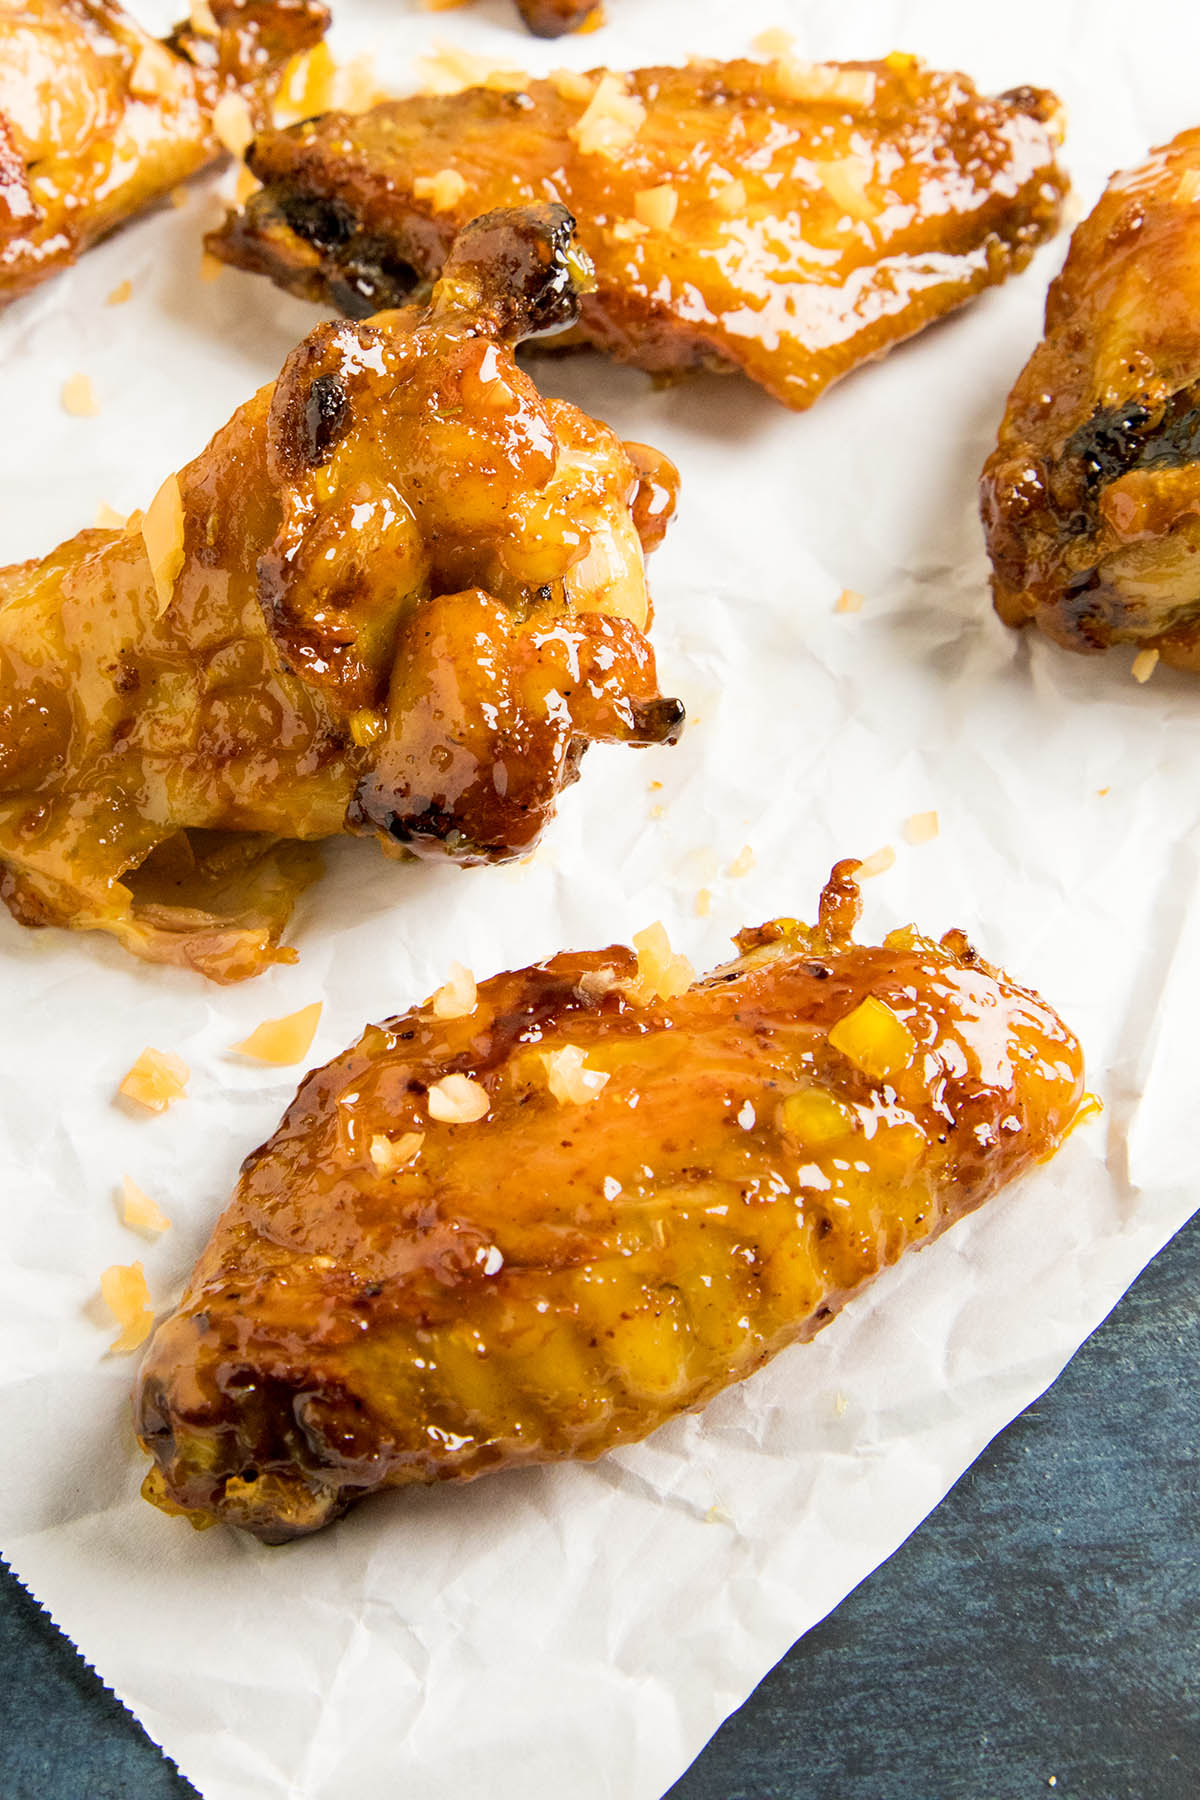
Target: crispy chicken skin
x=820 y=214
x=409 y=592
x=565 y=1274
x=1091 y=499
x=98 y=119
x=551 y=18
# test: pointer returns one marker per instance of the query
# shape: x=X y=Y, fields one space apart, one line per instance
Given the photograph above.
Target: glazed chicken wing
x=788 y=221
x=398 y=594
x=98 y=119
x=544 y=1226
x=1091 y=499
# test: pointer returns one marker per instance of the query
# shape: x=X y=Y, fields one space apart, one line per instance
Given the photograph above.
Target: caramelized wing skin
x=561 y=1277
x=551 y=18
x=98 y=119
x=409 y=593
x=1091 y=499
x=821 y=214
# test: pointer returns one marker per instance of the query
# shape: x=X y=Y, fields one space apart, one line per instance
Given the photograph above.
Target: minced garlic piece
x=656 y=207
x=232 y=124
x=202 y=21
x=921 y=828
x=848 y=601
x=1187 y=190
x=874 y=1039
x=805 y=81
x=390 y=1154
x=774 y=42
x=156 y=1078
x=108 y=519
x=627 y=231
x=703 y=903
x=457 y=1100
x=570 y=85
x=878 y=864
x=661 y=975
x=597 y=982
x=127 y=1297
x=162 y=534
x=611 y=120
x=78 y=397
x=139 y=1211
x=1144 y=665
x=742 y=863
x=285 y=1040
x=569 y=1079
x=816 y=1117
x=457 y=999
x=443 y=5
x=120 y=294
x=730 y=199
x=443 y=190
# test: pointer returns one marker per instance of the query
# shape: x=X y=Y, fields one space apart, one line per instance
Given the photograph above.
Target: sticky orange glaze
x=98 y=119
x=411 y=592
x=557 y=1278
x=820 y=214
x=1091 y=499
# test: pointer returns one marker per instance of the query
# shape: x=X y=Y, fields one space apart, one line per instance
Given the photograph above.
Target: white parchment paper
x=580 y=1630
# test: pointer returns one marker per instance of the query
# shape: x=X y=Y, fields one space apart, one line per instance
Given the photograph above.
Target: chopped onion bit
x=661 y=975
x=1144 y=665
x=921 y=828
x=611 y=120
x=390 y=1154
x=285 y=1040
x=139 y=1211
x=162 y=534
x=457 y=1100
x=156 y=1078
x=232 y=124
x=108 y=519
x=126 y=1295
x=457 y=999
x=120 y=294
x=656 y=207
x=78 y=397
x=877 y=864
x=443 y=190
x=569 y=1078
x=848 y=601
x=742 y=863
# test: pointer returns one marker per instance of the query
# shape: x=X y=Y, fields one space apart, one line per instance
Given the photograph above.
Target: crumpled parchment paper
x=584 y=1630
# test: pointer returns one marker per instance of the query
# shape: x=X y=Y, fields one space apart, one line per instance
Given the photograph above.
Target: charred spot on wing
x=526 y=265
x=1117 y=439
x=659 y=721
x=326 y=419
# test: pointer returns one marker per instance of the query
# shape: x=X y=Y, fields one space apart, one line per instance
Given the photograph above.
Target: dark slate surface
x=1039 y=1635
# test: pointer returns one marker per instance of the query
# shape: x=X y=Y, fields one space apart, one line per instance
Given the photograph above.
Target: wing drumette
x=98 y=119
x=542 y=1228
x=788 y=221
x=1091 y=499
x=398 y=594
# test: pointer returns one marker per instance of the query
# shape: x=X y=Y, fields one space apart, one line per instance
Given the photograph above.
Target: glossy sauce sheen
x=98 y=119
x=854 y=221
x=556 y=1279
x=1091 y=499
x=412 y=592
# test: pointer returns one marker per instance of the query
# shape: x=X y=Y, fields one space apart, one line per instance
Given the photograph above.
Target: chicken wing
x=1091 y=499
x=540 y=1228
x=788 y=221
x=551 y=18
x=98 y=119
x=398 y=594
